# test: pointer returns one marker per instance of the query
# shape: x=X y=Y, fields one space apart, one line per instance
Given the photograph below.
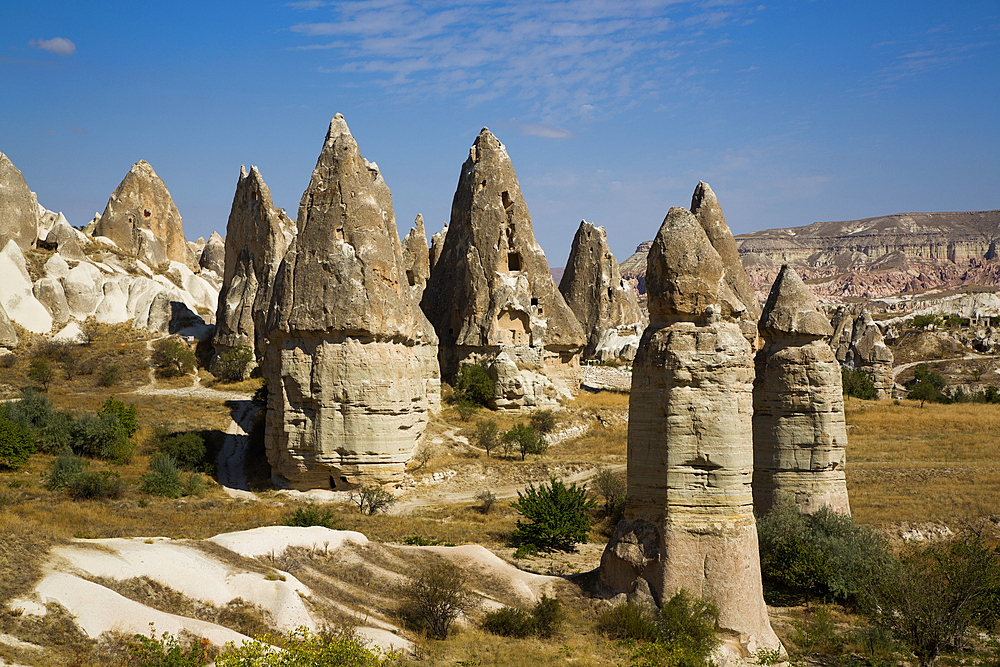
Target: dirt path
x=194 y=391
x=902 y=367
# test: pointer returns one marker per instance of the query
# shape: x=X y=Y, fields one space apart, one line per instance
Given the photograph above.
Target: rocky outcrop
x=16 y=295
x=351 y=361
x=605 y=305
x=689 y=513
x=258 y=235
x=213 y=255
x=8 y=336
x=437 y=243
x=141 y=219
x=491 y=290
x=858 y=343
x=61 y=237
x=799 y=432
x=417 y=258
x=18 y=207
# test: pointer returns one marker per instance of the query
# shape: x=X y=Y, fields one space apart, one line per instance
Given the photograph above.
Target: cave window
x=333 y=484
x=534 y=301
x=410 y=278
x=513 y=261
x=507 y=201
x=146 y=213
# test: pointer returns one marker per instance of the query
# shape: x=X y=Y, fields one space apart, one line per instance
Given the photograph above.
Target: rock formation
x=858 y=343
x=799 y=432
x=605 y=305
x=18 y=207
x=417 y=258
x=689 y=513
x=213 y=255
x=491 y=290
x=437 y=243
x=142 y=220
x=257 y=235
x=352 y=361
x=16 y=295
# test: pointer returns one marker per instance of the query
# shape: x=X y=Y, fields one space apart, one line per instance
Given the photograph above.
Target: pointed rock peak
x=215 y=238
x=484 y=143
x=418 y=223
x=704 y=198
x=338 y=127
x=243 y=171
x=791 y=308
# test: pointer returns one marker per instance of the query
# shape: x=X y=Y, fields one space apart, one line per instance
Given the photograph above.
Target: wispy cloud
x=932 y=50
x=57 y=45
x=546 y=131
x=568 y=58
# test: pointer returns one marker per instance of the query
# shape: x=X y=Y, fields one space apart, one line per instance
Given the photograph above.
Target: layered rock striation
x=258 y=235
x=689 y=514
x=491 y=291
x=799 y=432
x=605 y=305
x=141 y=219
x=351 y=361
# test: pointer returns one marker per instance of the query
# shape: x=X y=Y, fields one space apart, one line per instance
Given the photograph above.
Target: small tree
x=40 y=373
x=487 y=435
x=559 y=515
x=435 y=597
x=610 y=485
x=235 y=364
x=858 y=384
x=126 y=414
x=163 y=478
x=372 y=499
x=543 y=421
x=524 y=439
x=927 y=386
x=474 y=385
x=487 y=499
x=16 y=445
x=173 y=357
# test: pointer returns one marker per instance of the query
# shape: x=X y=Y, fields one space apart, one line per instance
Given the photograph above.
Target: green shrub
x=543 y=421
x=32 y=412
x=163 y=478
x=611 y=486
x=858 y=384
x=629 y=621
x=474 y=385
x=235 y=364
x=927 y=386
x=194 y=485
x=40 y=373
x=682 y=634
x=689 y=623
x=509 y=622
x=372 y=499
x=434 y=598
x=94 y=485
x=173 y=357
x=487 y=435
x=921 y=321
x=559 y=515
x=57 y=434
x=186 y=448
x=548 y=616
x=64 y=470
x=301 y=648
x=102 y=436
x=109 y=376
x=525 y=440
x=312 y=515
x=127 y=414
x=166 y=651
x=16 y=445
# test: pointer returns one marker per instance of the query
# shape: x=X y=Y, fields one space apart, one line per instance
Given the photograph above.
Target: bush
x=235 y=364
x=434 y=598
x=94 y=485
x=260 y=397
x=921 y=321
x=40 y=373
x=102 y=436
x=474 y=385
x=57 y=434
x=559 y=515
x=487 y=499
x=16 y=445
x=487 y=436
x=125 y=413
x=173 y=357
x=927 y=386
x=543 y=421
x=373 y=499
x=32 y=412
x=312 y=515
x=301 y=648
x=611 y=486
x=548 y=616
x=186 y=448
x=109 y=376
x=163 y=478
x=166 y=651
x=682 y=634
x=858 y=384
x=64 y=470
x=525 y=440
x=509 y=622
x=194 y=485
x=629 y=621
x=689 y=624
x=823 y=554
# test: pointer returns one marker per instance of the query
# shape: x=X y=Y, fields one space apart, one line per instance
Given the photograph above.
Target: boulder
x=141 y=219
x=257 y=234
x=213 y=256
x=16 y=295
x=84 y=289
x=71 y=333
x=416 y=257
x=689 y=519
x=49 y=291
x=113 y=307
x=799 y=431
x=351 y=360
x=56 y=266
x=19 y=218
x=63 y=239
x=491 y=289
x=605 y=305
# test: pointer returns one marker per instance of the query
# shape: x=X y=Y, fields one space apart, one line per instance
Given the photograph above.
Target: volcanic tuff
x=605 y=305
x=491 y=289
x=18 y=207
x=258 y=235
x=416 y=257
x=141 y=219
x=351 y=366
x=799 y=432
x=689 y=513
x=858 y=343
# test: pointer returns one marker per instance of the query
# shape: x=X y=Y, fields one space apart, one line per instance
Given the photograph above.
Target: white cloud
x=57 y=45
x=546 y=131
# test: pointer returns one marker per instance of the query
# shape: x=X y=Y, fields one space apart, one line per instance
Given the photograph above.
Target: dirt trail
x=902 y=367
x=194 y=391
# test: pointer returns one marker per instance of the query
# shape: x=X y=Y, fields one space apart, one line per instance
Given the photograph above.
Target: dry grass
x=936 y=463
x=601 y=400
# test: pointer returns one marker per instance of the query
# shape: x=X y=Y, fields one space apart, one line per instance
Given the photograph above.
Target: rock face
x=417 y=258
x=689 y=513
x=258 y=234
x=142 y=220
x=351 y=361
x=605 y=305
x=491 y=290
x=799 y=432
x=437 y=243
x=858 y=343
x=18 y=207
x=213 y=256
x=16 y=295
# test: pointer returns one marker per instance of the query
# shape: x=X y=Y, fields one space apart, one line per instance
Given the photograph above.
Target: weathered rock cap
x=792 y=308
x=685 y=276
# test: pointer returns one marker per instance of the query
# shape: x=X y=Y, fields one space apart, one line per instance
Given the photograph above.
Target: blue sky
x=612 y=111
